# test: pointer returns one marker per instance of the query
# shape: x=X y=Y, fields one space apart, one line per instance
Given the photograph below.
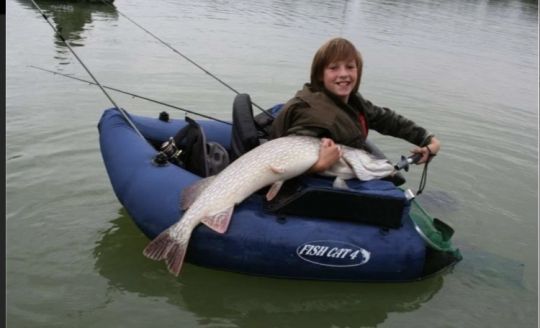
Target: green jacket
x=320 y=114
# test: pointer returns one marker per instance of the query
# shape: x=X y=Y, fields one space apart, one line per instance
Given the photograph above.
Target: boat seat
x=245 y=135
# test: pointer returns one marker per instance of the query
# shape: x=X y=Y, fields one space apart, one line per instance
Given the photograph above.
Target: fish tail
x=158 y=248
x=170 y=248
x=175 y=258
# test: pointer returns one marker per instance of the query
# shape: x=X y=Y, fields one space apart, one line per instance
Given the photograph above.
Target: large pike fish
x=211 y=201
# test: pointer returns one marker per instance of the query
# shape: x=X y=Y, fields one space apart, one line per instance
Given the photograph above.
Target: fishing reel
x=172 y=151
x=168 y=152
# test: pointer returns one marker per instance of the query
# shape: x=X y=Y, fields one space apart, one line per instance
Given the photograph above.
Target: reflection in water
x=249 y=301
x=490 y=269
x=71 y=19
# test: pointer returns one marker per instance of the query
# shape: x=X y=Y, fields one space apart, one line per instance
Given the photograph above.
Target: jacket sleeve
x=387 y=122
x=297 y=120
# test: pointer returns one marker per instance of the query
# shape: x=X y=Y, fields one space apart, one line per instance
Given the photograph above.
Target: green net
x=435 y=232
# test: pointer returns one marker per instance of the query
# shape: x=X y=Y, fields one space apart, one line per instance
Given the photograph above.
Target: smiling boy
x=330 y=108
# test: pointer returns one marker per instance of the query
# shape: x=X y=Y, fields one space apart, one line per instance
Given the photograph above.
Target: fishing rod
x=132 y=94
x=122 y=111
x=185 y=57
x=404 y=164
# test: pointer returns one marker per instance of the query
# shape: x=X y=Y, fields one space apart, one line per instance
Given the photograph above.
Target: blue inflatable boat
x=371 y=232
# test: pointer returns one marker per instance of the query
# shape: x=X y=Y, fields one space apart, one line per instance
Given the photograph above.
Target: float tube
x=311 y=231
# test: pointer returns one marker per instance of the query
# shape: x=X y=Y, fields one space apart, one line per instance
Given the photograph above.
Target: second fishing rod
x=184 y=56
x=134 y=95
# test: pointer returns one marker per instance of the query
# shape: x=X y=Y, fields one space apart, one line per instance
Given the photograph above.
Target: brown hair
x=333 y=50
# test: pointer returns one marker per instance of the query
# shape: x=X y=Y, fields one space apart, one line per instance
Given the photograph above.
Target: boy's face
x=340 y=78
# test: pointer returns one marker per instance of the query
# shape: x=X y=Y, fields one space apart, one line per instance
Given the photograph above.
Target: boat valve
x=164 y=116
x=409 y=194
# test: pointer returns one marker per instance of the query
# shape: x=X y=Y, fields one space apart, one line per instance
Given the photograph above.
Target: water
x=466 y=70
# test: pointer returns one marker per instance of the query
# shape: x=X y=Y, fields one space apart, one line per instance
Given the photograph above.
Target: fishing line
x=185 y=57
x=122 y=111
x=132 y=94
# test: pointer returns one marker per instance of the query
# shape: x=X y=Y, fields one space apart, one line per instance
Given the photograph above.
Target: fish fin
x=219 y=222
x=340 y=169
x=274 y=189
x=277 y=169
x=158 y=248
x=173 y=250
x=191 y=193
x=340 y=183
x=175 y=258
